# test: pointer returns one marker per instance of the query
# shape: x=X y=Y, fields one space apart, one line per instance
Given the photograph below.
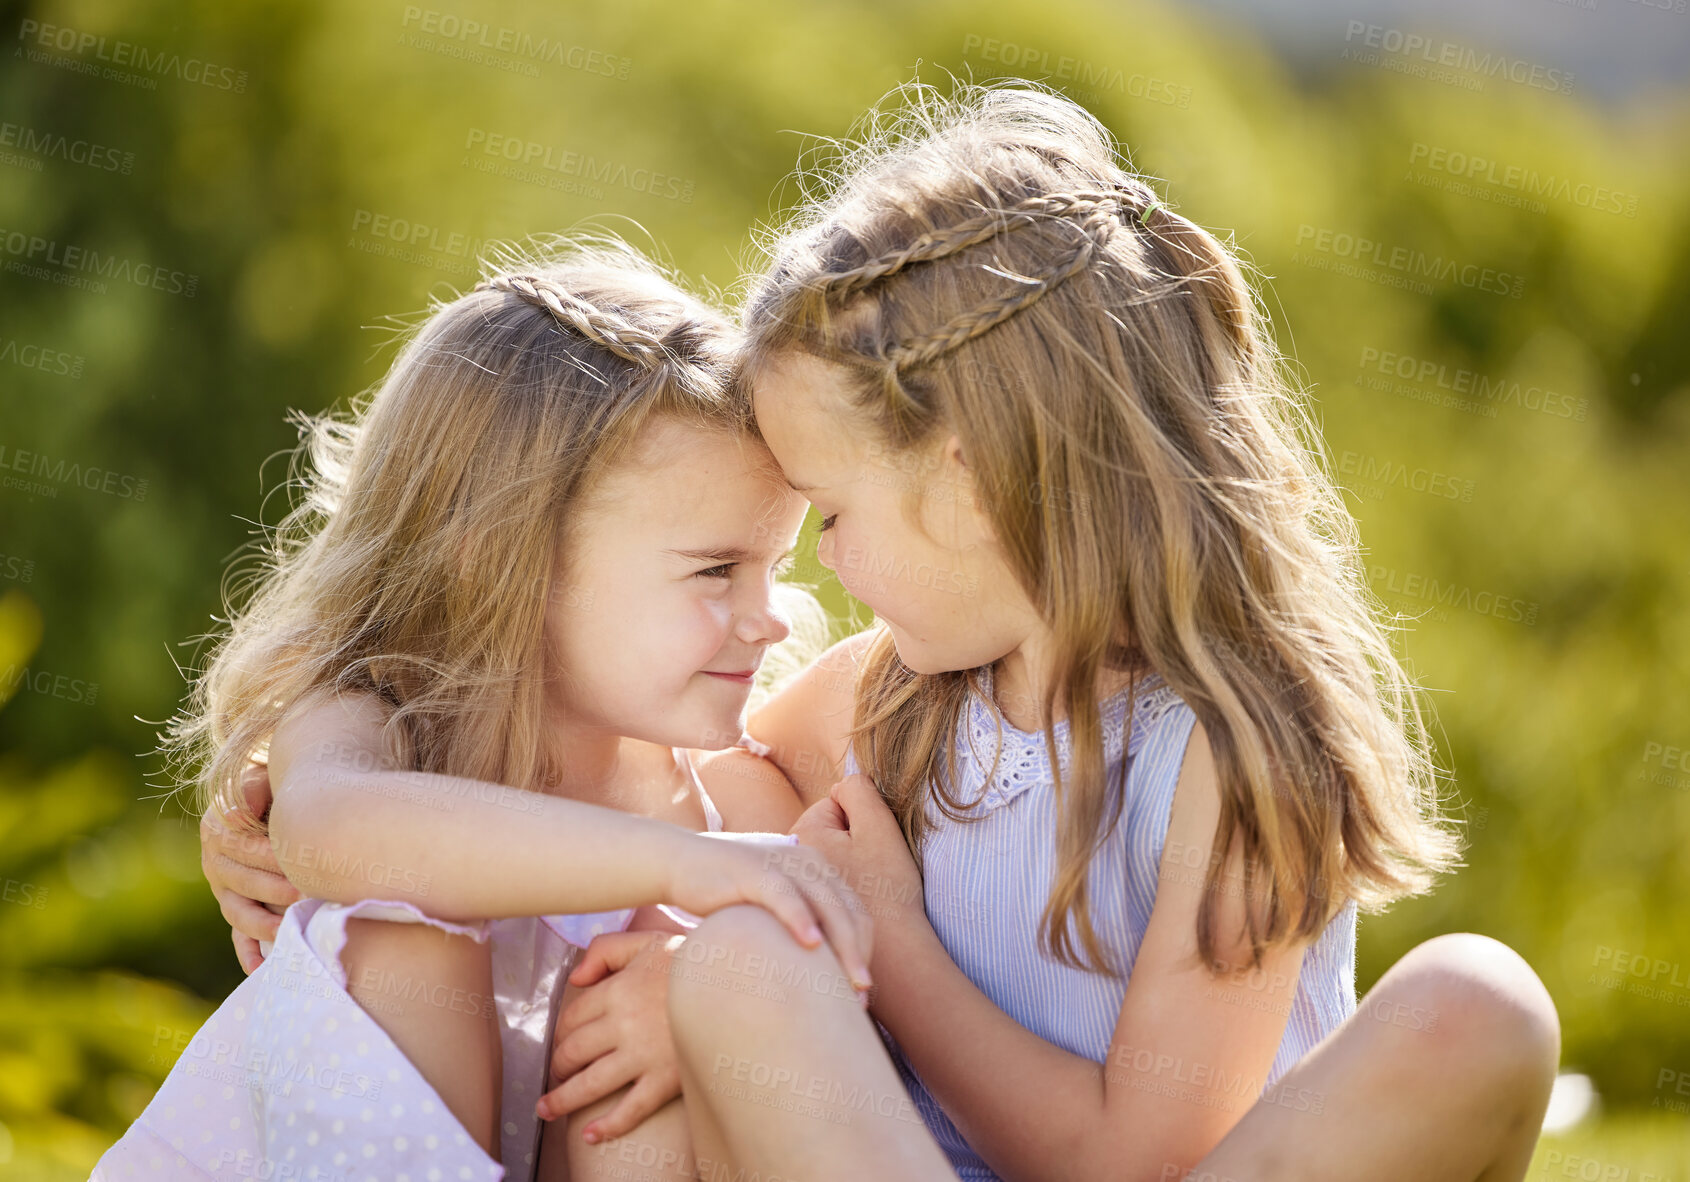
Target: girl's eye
x=827 y=522
x=725 y=571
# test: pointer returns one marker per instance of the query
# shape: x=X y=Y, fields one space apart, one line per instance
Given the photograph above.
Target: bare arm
x=341 y=833
x=346 y=828
x=753 y=794
x=808 y=720
x=1190 y=1050
x=807 y=724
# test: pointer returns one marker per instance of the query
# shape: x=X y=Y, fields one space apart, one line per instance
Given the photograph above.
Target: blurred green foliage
x=331 y=167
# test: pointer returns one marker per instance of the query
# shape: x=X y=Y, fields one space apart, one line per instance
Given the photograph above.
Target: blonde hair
x=433 y=528
x=982 y=265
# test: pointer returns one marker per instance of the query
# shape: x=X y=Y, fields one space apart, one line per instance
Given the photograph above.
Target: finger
x=584 y=1088
x=247 y=917
x=246 y=847
x=589 y=1005
x=609 y=953
x=843 y=925
x=824 y=815
x=859 y=800
x=255 y=882
x=587 y=1044
x=247 y=951
x=255 y=790
x=783 y=897
x=829 y=811
x=649 y=1093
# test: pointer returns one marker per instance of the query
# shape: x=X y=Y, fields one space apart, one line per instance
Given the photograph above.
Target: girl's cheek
x=854 y=561
x=712 y=620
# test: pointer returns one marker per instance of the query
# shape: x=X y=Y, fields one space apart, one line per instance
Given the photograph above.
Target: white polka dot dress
x=291 y=1080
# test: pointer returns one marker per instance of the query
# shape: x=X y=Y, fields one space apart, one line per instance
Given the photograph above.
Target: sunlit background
x=1471 y=224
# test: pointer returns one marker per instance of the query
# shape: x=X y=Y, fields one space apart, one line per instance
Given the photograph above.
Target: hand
x=621 y=1027
x=855 y=830
x=795 y=884
x=241 y=867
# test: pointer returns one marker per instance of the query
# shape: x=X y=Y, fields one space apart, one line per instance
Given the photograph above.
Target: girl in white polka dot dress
x=527 y=580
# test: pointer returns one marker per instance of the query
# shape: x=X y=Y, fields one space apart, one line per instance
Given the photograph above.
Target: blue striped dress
x=986 y=882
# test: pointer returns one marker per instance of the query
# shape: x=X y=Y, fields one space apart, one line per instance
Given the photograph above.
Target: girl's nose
x=824 y=550
x=763 y=623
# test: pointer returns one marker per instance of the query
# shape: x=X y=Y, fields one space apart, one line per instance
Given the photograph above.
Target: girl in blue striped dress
x=1127 y=701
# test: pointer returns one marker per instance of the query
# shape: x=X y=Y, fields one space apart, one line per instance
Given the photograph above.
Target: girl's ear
x=961 y=477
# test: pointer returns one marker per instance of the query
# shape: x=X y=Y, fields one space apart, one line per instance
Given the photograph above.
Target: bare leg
x=391 y=971
x=659 y=1149
x=782 y=1071
x=1441 y=1075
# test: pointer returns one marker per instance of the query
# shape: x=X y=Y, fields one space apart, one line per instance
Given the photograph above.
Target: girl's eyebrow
x=727 y=554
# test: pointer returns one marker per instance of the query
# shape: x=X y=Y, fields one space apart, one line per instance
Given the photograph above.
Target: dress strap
x=712 y=816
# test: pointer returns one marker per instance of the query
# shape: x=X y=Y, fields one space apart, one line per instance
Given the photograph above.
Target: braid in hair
x=1096 y=212
x=602 y=328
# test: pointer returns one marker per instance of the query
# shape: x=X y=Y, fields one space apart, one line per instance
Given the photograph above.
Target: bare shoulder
x=752 y=793
x=808 y=723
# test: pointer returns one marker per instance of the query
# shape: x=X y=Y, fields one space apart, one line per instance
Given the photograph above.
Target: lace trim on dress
x=1024 y=757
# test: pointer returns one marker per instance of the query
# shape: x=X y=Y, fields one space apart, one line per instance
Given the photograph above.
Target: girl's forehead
x=713 y=491
x=799 y=400
x=674 y=462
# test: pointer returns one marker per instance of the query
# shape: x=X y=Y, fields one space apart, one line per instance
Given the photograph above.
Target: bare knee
x=723 y=965
x=658 y=1149
x=1476 y=1005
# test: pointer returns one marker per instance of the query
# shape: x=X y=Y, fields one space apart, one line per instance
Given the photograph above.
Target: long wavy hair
x=433 y=526
x=985 y=264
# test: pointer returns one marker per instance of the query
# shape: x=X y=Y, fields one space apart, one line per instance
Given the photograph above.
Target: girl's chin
x=717 y=731
x=923 y=658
